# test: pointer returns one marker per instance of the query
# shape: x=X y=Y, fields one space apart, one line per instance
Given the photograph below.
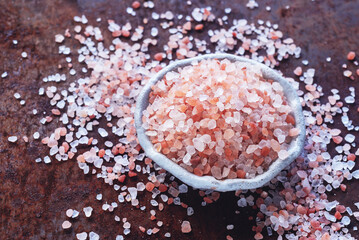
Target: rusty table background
x=34 y=197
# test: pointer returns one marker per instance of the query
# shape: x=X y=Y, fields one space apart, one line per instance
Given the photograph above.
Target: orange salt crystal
x=136 y=4
x=162 y=188
x=187 y=26
x=158 y=56
x=80 y=158
x=122 y=178
x=66 y=146
x=125 y=33
x=351 y=56
x=150 y=186
x=325 y=236
x=132 y=174
x=241 y=173
x=351 y=157
x=265 y=151
x=290 y=119
x=55 y=112
x=337 y=139
x=142 y=229
x=198 y=27
x=302 y=210
x=258 y=236
x=259 y=162
x=337 y=215
x=121 y=150
x=71 y=155
x=298 y=71
x=101 y=153
x=198 y=172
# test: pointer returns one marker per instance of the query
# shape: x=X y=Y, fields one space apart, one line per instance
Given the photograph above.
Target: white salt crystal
x=75 y=214
x=66 y=225
x=197 y=15
x=154 y=32
x=355 y=174
x=47 y=159
x=330 y=217
x=330 y=205
x=59 y=38
x=102 y=132
x=81 y=236
x=69 y=212
x=4 y=75
x=349 y=99
x=36 y=135
x=88 y=211
x=198 y=144
x=24 y=55
x=349 y=138
x=133 y=192
x=345 y=220
x=12 y=139
x=190 y=211
x=94 y=236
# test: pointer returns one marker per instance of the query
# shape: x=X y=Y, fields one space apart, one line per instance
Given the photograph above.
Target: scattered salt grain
x=81 y=236
x=186 y=227
x=88 y=211
x=94 y=236
x=66 y=225
x=12 y=139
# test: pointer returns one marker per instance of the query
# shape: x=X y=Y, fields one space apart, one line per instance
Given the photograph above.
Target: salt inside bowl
x=209 y=182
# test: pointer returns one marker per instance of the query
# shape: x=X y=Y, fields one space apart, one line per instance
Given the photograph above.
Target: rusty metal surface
x=34 y=197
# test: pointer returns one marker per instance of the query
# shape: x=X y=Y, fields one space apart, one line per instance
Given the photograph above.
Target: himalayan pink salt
x=220 y=118
x=186 y=227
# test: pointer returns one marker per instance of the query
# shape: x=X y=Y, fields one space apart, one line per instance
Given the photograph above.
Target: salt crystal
x=88 y=211
x=190 y=211
x=349 y=138
x=186 y=227
x=133 y=192
x=66 y=225
x=75 y=214
x=154 y=32
x=102 y=132
x=69 y=212
x=81 y=236
x=349 y=99
x=4 y=75
x=94 y=236
x=330 y=217
x=12 y=139
x=345 y=220
x=355 y=174
x=59 y=38
x=47 y=159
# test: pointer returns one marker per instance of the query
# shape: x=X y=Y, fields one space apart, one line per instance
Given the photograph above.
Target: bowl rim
x=209 y=182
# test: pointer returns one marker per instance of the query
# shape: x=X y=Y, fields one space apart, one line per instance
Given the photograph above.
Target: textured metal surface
x=34 y=198
x=209 y=182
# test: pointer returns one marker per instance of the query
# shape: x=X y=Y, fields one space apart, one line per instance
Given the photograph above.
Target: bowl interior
x=209 y=182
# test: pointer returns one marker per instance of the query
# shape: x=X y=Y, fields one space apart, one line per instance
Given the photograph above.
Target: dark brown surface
x=34 y=197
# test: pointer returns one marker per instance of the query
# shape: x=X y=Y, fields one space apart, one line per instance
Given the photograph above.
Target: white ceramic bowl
x=209 y=182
